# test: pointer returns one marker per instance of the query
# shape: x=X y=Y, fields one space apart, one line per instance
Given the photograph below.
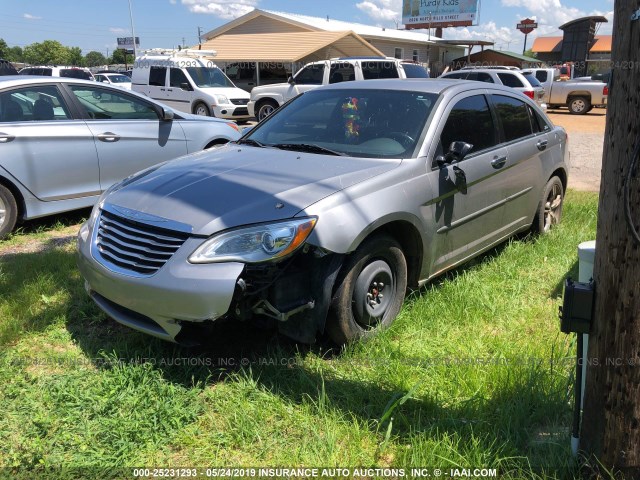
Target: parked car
x=6 y=68
x=265 y=99
x=324 y=214
x=578 y=96
x=187 y=81
x=525 y=83
x=64 y=141
x=245 y=76
x=115 y=79
x=56 y=71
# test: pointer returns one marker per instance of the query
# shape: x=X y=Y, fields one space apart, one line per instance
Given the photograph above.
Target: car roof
x=14 y=80
x=436 y=86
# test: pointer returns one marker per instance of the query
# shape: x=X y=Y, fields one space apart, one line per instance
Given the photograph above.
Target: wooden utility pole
x=611 y=419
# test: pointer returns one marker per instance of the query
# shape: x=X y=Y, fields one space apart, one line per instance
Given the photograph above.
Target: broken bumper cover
x=160 y=304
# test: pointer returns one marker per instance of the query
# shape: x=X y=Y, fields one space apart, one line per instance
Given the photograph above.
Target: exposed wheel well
x=562 y=175
x=410 y=240
x=17 y=195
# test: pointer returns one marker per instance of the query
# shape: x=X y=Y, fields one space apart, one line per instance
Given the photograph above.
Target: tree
x=119 y=56
x=75 y=56
x=94 y=59
x=14 y=54
x=4 y=48
x=49 y=52
x=611 y=420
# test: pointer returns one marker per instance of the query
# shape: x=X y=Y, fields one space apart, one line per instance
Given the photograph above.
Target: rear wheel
x=201 y=109
x=549 y=210
x=265 y=108
x=8 y=211
x=370 y=290
x=579 y=105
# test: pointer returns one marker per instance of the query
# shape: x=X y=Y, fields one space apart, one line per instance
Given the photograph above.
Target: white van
x=190 y=82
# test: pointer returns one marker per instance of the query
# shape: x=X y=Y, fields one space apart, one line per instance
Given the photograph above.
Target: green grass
x=474 y=373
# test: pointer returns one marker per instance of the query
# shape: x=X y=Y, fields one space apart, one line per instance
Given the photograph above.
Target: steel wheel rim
x=265 y=111
x=552 y=207
x=202 y=110
x=373 y=294
x=579 y=105
x=3 y=212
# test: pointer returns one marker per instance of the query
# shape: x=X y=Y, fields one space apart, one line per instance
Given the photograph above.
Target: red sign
x=527 y=26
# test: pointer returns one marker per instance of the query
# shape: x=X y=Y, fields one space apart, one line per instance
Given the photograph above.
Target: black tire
x=352 y=316
x=8 y=211
x=200 y=108
x=549 y=212
x=579 y=105
x=264 y=108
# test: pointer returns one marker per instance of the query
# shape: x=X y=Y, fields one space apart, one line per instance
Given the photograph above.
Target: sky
x=95 y=25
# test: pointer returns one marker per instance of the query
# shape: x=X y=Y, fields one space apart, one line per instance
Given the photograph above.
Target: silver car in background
x=324 y=214
x=64 y=141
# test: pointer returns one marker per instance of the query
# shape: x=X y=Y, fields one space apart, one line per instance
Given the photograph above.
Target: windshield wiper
x=252 y=142
x=307 y=147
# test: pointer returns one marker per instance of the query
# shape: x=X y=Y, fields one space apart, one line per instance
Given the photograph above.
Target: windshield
x=209 y=77
x=415 y=71
x=354 y=122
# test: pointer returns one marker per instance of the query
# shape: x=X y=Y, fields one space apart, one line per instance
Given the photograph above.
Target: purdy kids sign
x=439 y=13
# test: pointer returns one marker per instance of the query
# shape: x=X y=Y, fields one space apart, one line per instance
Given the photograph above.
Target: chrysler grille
x=136 y=247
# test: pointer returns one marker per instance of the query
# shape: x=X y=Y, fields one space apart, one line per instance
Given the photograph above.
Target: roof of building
x=593 y=18
x=554 y=44
x=287 y=47
x=330 y=25
x=511 y=55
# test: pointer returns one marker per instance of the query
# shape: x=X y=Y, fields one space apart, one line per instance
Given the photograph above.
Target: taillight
x=530 y=94
x=605 y=90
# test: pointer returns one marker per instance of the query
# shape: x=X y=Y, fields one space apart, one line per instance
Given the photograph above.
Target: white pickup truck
x=579 y=96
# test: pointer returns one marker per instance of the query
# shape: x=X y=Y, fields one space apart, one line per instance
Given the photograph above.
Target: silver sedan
x=323 y=215
x=64 y=141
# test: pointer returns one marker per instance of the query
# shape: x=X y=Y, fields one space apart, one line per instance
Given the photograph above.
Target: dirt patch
x=586 y=141
x=62 y=238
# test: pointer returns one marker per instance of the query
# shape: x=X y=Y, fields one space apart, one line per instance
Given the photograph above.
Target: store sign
x=439 y=13
x=126 y=43
x=527 y=26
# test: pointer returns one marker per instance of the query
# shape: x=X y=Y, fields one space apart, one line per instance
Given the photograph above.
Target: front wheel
x=370 y=291
x=8 y=211
x=201 y=109
x=265 y=108
x=579 y=105
x=549 y=210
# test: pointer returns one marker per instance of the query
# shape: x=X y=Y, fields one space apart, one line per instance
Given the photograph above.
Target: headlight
x=260 y=243
x=221 y=99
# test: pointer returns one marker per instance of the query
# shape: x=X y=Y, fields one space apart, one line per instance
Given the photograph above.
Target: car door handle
x=4 y=138
x=162 y=89
x=542 y=144
x=108 y=137
x=498 y=162
x=169 y=89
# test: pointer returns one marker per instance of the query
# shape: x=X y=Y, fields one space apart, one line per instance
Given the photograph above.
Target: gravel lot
x=586 y=139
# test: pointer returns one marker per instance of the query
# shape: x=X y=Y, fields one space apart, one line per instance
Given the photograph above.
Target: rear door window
x=372 y=70
x=342 y=72
x=514 y=116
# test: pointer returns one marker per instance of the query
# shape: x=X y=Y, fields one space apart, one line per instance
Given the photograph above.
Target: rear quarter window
x=414 y=71
x=532 y=80
x=510 y=80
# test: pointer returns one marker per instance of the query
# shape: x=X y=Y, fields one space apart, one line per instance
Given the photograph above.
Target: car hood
x=229 y=92
x=237 y=185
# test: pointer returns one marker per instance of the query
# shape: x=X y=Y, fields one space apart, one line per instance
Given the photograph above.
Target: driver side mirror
x=291 y=81
x=457 y=152
x=166 y=115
